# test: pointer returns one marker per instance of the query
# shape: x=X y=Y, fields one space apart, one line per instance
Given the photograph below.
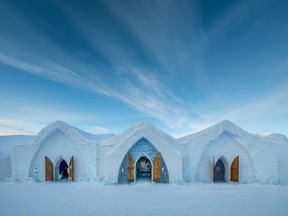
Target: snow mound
x=8 y=142
x=250 y=141
x=72 y=132
x=274 y=138
x=94 y=137
x=140 y=128
x=211 y=133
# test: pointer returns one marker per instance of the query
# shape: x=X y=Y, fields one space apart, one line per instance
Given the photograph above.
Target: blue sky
x=103 y=66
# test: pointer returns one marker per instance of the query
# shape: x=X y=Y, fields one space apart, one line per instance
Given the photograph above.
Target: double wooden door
x=49 y=169
x=156 y=168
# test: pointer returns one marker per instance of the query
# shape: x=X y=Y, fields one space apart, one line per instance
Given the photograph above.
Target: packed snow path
x=142 y=199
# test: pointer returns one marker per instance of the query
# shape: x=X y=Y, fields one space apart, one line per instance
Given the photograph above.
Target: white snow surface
x=142 y=199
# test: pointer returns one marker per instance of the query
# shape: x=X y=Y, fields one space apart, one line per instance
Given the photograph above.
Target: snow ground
x=142 y=199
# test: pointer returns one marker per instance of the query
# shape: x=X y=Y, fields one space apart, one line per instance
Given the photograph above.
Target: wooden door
x=49 y=173
x=71 y=169
x=235 y=170
x=156 y=168
x=130 y=168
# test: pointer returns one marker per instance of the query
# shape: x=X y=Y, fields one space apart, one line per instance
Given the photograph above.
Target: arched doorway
x=143 y=162
x=143 y=169
x=219 y=171
x=61 y=170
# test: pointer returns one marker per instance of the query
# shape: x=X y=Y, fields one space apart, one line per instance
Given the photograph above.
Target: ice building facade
x=220 y=153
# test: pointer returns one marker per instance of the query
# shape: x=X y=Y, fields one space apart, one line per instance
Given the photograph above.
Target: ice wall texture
x=263 y=158
x=143 y=146
x=58 y=147
x=5 y=168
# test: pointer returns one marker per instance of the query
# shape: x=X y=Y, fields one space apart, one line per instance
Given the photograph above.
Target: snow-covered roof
x=141 y=129
x=73 y=133
x=213 y=132
x=79 y=136
x=228 y=128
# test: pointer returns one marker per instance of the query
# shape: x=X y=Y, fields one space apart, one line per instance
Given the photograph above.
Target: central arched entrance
x=143 y=169
x=143 y=162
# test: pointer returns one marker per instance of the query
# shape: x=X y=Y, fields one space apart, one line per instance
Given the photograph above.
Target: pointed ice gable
x=68 y=130
x=140 y=130
x=124 y=141
x=213 y=132
x=78 y=136
x=224 y=146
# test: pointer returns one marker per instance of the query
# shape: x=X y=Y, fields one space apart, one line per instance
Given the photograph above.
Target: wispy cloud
x=152 y=98
x=50 y=70
x=95 y=129
x=8 y=131
x=169 y=35
x=276 y=103
x=136 y=55
x=123 y=77
x=256 y=112
x=145 y=94
x=18 y=125
x=29 y=118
